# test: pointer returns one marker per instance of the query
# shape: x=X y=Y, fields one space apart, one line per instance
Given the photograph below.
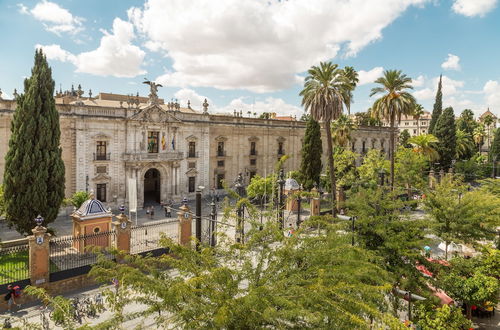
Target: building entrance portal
x=152 y=187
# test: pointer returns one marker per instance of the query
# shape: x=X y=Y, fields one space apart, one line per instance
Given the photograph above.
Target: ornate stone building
x=170 y=150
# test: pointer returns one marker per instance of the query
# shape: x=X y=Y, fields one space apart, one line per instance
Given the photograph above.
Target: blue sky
x=252 y=55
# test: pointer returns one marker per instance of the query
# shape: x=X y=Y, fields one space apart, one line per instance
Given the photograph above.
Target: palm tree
x=351 y=80
x=417 y=113
x=464 y=144
x=424 y=144
x=478 y=136
x=341 y=130
x=323 y=96
x=393 y=104
x=488 y=121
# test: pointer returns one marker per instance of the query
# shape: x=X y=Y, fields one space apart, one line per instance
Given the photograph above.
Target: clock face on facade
x=123 y=225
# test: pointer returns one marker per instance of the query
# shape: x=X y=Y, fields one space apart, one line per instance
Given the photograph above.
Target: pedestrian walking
x=12 y=294
x=168 y=211
x=217 y=196
x=152 y=212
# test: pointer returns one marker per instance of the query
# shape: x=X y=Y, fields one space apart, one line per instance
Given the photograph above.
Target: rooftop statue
x=153 y=91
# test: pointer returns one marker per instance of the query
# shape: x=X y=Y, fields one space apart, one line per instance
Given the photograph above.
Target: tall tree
x=323 y=96
x=478 y=136
x=404 y=138
x=417 y=113
x=351 y=77
x=34 y=170
x=395 y=103
x=494 y=152
x=488 y=123
x=342 y=130
x=466 y=122
x=425 y=144
x=465 y=145
x=445 y=132
x=312 y=149
x=438 y=106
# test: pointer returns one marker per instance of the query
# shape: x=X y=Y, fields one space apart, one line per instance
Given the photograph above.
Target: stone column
x=122 y=226
x=315 y=203
x=185 y=223
x=39 y=256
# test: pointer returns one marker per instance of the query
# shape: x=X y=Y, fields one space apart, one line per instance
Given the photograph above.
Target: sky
x=253 y=55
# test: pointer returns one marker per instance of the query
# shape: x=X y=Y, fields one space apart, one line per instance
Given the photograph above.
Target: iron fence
x=147 y=237
x=14 y=264
x=74 y=255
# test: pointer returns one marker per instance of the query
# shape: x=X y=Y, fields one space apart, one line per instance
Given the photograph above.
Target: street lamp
x=352 y=219
x=213 y=221
x=299 y=200
x=493 y=170
x=240 y=230
x=281 y=183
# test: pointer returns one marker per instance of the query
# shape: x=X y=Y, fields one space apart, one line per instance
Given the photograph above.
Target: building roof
x=92 y=208
x=487 y=113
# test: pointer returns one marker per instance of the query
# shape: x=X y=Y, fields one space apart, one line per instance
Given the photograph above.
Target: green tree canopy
x=34 y=170
x=445 y=132
x=437 y=108
x=373 y=164
x=495 y=146
x=443 y=318
x=466 y=122
x=312 y=150
x=404 y=137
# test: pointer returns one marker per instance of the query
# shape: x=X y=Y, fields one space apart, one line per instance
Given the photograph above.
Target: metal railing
x=145 y=156
x=14 y=264
x=191 y=154
x=253 y=152
x=221 y=153
x=98 y=156
x=147 y=237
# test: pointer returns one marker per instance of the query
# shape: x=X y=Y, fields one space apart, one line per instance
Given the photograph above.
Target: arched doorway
x=152 y=187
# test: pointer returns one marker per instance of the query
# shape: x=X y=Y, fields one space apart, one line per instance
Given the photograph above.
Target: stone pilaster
x=122 y=226
x=185 y=224
x=39 y=254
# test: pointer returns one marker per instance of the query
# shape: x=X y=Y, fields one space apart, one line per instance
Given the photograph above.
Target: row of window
x=253 y=149
x=422 y=123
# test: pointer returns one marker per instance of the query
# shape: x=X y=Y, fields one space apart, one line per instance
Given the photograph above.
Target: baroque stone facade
x=170 y=150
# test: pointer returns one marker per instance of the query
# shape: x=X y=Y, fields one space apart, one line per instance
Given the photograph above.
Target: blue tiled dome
x=91 y=207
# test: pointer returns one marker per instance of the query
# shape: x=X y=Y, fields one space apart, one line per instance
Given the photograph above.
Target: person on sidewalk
x=152 y=212
x=10 y=297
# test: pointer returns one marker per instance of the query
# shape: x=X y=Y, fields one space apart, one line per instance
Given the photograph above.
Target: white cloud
x=270 y=104
x=492 y=96
x=54 y=18
x=451 y=62
x=368 y=77
x=424 y=94
x=258 y=45
x=419 y=82
x=449 y=87
x=115 y=56
x=55 y=52
x=184 y=95
x=472 y=8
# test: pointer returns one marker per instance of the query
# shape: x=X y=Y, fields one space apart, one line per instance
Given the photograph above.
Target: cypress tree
x=34 y=170
x=438 y=107
x=404 y=136
x=495 y=146
x=312 y=149
x=445 y=131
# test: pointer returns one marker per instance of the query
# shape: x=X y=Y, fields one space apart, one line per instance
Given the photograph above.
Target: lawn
x=15 y=267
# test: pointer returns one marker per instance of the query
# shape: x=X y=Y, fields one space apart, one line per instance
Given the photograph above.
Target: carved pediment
x=101 y=177
x=281 y=139
x=101 y=136
x=221 y=138
x=191 y=138
x=155 y=114
x=253 y=139
x=191 y=172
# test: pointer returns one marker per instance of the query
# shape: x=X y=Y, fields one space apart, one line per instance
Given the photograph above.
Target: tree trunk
x=468 y=308
x=333 y=186
x=391 y=147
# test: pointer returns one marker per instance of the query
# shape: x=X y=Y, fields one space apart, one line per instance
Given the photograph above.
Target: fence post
x=122 y=227
x=185 y=223
x=315 y=203
x=39 y=256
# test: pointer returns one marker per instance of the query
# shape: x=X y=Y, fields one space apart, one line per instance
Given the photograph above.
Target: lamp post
x=299 y=200
x=352 y=219
x=493 y=168
x=281 y=183
x=240 y=224
x=198 y=217
x=213 y=222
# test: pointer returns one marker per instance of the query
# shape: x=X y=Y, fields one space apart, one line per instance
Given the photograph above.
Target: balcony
x=98 y=156
x=152 y=157
x=221 y=153
x=192 y=154
x=281 y=152
x=253 y=152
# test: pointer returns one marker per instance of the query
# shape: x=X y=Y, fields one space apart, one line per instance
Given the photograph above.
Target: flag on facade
x=163 y=143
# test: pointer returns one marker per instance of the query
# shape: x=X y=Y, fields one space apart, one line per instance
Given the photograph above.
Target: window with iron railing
x=100 y=150
x=253 y=151
x=192 y=150
x=281 y=151
x=220 y=149
x=153 y=140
